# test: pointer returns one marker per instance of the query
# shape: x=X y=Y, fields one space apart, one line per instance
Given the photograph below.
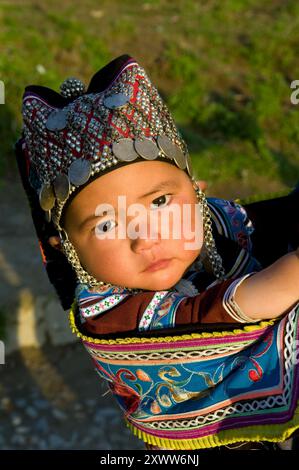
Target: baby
x=151 y=263
x=160 y=276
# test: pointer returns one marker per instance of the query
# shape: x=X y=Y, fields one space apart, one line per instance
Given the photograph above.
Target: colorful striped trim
x=274 y=433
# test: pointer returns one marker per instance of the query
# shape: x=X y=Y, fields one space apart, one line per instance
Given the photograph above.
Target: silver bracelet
x=231 y=306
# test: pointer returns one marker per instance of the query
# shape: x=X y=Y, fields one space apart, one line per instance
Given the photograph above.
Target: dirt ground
x=51 y=398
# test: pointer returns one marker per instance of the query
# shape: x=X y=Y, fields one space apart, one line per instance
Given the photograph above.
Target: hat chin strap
x=209 y=246
x=72 y=257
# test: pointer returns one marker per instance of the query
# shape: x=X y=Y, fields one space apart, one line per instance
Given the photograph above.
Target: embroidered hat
x=72 y=137
x=78 y=135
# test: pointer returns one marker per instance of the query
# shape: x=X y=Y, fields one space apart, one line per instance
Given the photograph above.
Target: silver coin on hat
x=46 y=197
x=166 y=145
x=57 y=120
x=79 y=171
x=179 y=157
x=146 y=148
x=189 y=165
x=172 y=150
x=118 y=100
x=48 y=216
x=61 y=186
x=124 y=150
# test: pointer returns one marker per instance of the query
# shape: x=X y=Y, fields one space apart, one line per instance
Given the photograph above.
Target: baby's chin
x=159 y=281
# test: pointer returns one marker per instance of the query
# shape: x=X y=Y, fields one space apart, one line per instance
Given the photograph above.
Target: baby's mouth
x=160 y=264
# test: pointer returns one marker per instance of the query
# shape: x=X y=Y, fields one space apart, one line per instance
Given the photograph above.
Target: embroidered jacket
x=183 y=368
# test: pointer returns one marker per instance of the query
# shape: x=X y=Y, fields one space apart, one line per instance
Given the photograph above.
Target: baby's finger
x=202 y=184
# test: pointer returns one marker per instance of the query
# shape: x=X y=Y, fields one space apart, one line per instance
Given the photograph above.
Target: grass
x=224 y=68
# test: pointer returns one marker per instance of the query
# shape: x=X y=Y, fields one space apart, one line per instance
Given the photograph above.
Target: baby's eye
x=161 y=201
x=105 y=227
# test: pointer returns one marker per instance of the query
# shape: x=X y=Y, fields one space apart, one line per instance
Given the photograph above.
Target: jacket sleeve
x=204 y=308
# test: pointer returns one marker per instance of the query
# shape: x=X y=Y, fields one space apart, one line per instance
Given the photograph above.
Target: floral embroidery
x=150 y=310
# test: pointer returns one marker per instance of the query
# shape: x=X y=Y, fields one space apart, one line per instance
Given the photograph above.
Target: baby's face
x=120 y=248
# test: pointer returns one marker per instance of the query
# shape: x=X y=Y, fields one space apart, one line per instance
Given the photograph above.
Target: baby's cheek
x=191 y=243
x=107 y=254
x=90 y=252
x=191 y=222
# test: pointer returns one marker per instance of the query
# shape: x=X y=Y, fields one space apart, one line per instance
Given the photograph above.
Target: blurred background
x=225 y=69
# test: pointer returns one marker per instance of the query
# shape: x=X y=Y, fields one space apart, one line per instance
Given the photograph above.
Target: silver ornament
x=79 y=171
x=61 y=186
x=179 y=158
x=124 y=150
x=46 y=197
x=146 y=148
x=118 y=100
x=72 y=87
x=172 y=150
x=189 y=165
x=57 y=120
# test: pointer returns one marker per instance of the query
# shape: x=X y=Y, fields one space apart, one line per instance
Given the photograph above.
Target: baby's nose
x=140 y=245
x=145 y=232
x=145 y=242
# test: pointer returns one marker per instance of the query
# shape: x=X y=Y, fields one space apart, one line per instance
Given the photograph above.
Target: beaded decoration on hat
x=72 y=140
x=97 y=131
